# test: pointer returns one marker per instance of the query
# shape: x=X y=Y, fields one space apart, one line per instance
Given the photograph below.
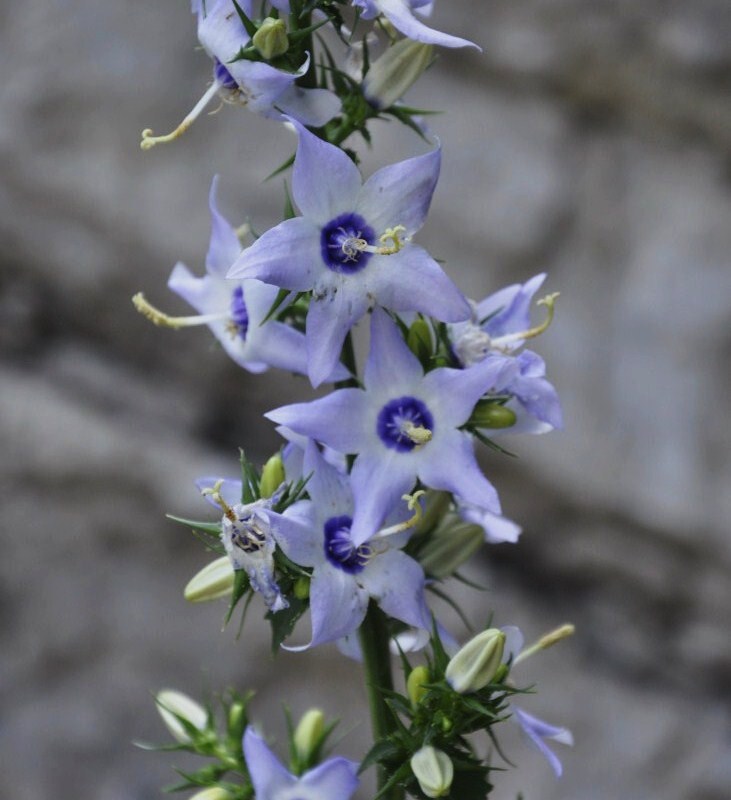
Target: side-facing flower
x=499 y=326
x=345 y=576
x=334 y=779
x=404 y=425
x=254 y=84
x=351 y=247
x=538 y=731
x=400 y=13
x=234 y=311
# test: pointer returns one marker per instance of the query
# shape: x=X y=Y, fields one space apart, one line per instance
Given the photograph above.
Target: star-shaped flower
x=404 y=426
x=351 y=246
x=334 y=779
x=235 y=310
x=400 y=14
x=316 y=533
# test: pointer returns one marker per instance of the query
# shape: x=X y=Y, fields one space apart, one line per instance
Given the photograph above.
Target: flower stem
x=378 y=679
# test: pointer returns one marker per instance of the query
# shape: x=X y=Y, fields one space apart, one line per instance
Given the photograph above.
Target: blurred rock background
x=591 y=140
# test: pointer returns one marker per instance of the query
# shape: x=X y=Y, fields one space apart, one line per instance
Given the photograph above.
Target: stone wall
x=590 y=140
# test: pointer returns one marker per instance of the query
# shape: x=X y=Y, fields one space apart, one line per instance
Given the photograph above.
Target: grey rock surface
x=590 y=140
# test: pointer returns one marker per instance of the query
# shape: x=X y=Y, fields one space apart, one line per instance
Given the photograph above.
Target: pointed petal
x=514 y=642
x=509 y=309
x=224 y=245
x=537 y=730
x=335 y=779
x=456 y=391
x=328 y=487
x=295 y=532
x=457 y=471
x=396 y=582
x=379 y=481
x=411 y=280
x=266 y=771
x=230 y=490
x=270 y=258
x=390 y=362
x=337 y=604
x=497 y=529
x=313 y=107
x=325 y=182
x=329 y=319
x=400 y=194
x=336 y=419
x=399 y=14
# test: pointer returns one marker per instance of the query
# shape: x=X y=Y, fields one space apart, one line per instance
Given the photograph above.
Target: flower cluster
x=377 y=496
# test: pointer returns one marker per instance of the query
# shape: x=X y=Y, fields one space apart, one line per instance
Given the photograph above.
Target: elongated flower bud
x=173 y=704
x=395 y=71
x=435 y=507
x=308 y=734
x=475 y=665
x=271 y=38
x=272 y=476
x=449 y=547
x=434 y=770
x=419 y=339
x=492 y=415
x=415 y=684
x=214 y=581
x=212 y=793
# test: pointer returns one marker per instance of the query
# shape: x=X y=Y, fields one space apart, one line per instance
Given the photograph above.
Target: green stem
x=378 y=678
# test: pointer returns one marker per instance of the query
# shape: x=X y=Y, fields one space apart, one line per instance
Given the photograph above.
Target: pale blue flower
x=494 y=330
x=404 y=425
x=538 y=731
x=498 y=529
x=400 y=13
x=351 y=247
x=234 y=310
x=334 y=779
x=255 y=84
x=315 y=533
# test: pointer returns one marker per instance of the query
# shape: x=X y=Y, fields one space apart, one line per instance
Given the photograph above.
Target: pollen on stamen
x=149 y=140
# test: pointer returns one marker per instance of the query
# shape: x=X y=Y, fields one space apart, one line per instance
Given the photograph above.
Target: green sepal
x=250 y=480
x=245 y=21
x=284 y=621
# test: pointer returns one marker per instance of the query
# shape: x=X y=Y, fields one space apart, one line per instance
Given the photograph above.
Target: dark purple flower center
x=339 y=243
x=239 y=314
x=223 y=76
x=339 y=548
x=246 y=535
x=397 y=416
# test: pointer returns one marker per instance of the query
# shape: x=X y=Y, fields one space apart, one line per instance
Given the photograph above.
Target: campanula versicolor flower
x=334 y=779
x=494 y=329
x=316 y=533
x=351 y=247
x=400 y=13
x=404 y=425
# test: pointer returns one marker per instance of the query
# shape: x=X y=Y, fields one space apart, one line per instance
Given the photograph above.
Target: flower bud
x=173 y=704
x=393 y=73
x=271 y=38
x=434 y=771
x=214 y=581
x=475 y=665
x=272 y=476
x=419 y=339
x=449 y=546
x=435 y=507
x=308 y=734
x=302 y=588
x=237 y=719
x=212 y=793
x=488 y=414
x=415 y=684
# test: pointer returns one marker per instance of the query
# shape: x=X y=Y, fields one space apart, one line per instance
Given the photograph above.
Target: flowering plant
x=376 y=496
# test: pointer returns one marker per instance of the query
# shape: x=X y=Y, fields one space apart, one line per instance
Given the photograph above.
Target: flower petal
x=328 y=487
x=313 y=107
x=336 y=419
x=270 y=258
x=411 y=280
x=295 y=533
x=457 y=471
x=396 y=582
x=325 y=182
x=390 y=362
x=537 y=730
x=337 y=604
x=400 y=194
x=399 y=14
x=335 y=779
x=224 y=245
x=266 y=771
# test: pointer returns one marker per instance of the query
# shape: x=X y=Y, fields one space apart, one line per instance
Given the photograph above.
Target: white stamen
x=418 y=434
x=548 y=301
x=149 y=140
x=158 y=317
x=412 y=501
